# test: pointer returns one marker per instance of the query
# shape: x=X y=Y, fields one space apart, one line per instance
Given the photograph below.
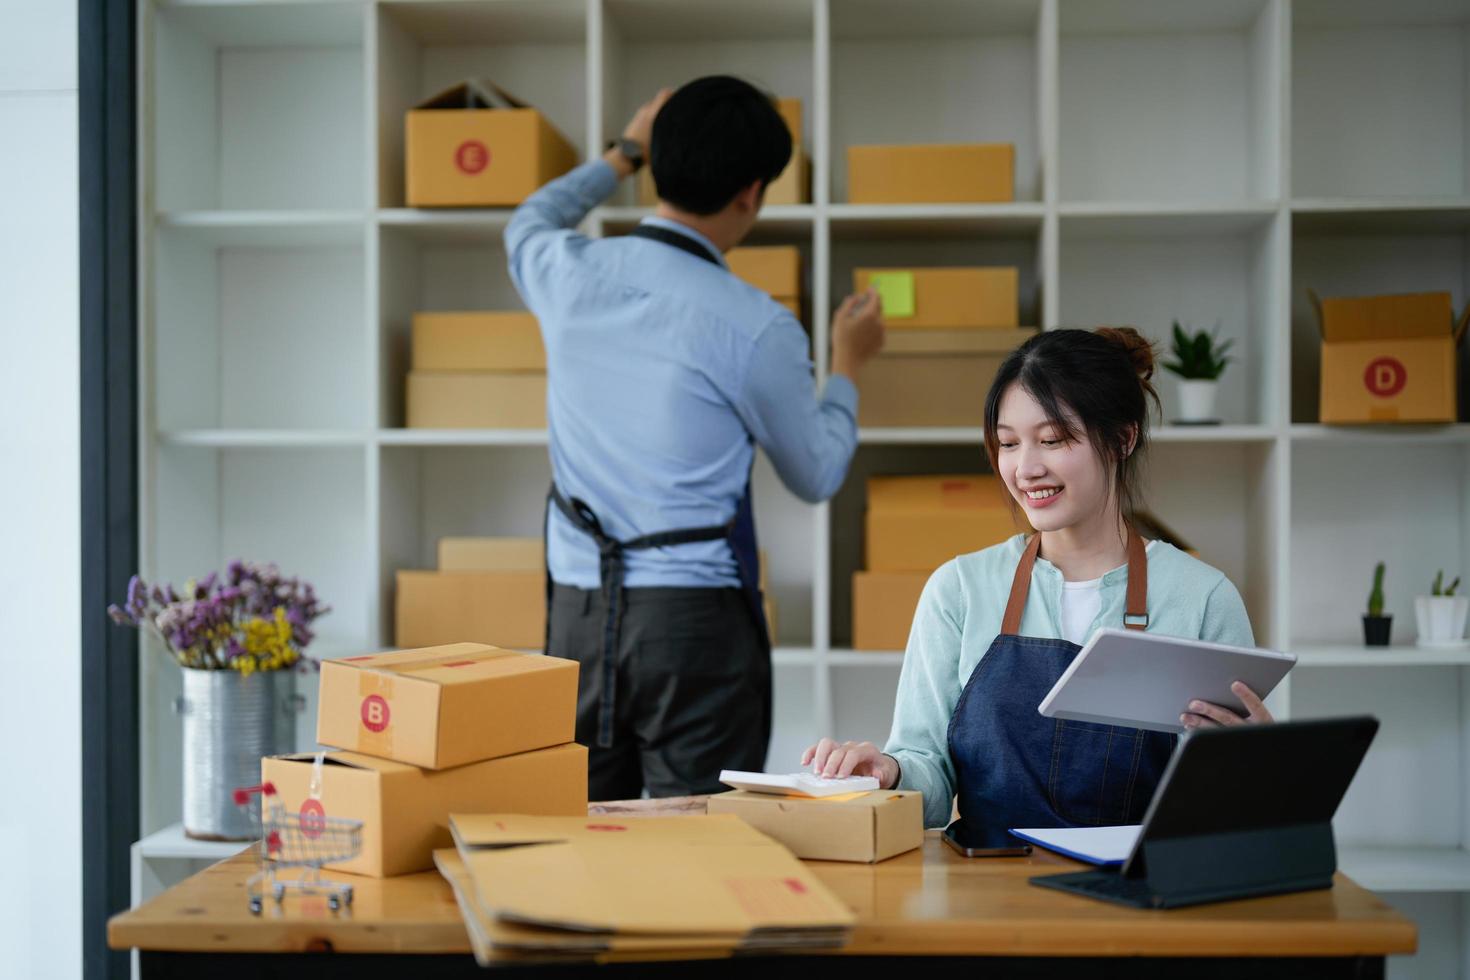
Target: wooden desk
x=927 y=903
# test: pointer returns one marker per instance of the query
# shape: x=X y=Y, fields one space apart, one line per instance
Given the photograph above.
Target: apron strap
x=611 y=570
x=1135 y=615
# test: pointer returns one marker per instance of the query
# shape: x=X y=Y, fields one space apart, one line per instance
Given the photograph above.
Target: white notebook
x=1106 y=846
x=797 y=783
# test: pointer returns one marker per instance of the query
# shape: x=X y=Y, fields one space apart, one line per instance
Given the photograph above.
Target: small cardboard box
x=932 y=174
x=934 y=377
x=793 y=186
x=864 y=827
x=500 y=608
x=473 y=145
x=945 y=298
x=405 y=810
x=446 y=706
x=883 y=606
x=477 y=342
x=491 y=555
x=774 y=269
x=917 y=523
x=1389 y=358
x=476 y=400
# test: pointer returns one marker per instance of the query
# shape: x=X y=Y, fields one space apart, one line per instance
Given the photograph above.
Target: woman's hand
x=838 y=759
x=1202 y=714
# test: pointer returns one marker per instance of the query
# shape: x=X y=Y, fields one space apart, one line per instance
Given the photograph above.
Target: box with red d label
x=405 y=810
x=447 y=706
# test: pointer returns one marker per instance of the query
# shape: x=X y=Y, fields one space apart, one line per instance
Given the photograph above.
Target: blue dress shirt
x=662 y=369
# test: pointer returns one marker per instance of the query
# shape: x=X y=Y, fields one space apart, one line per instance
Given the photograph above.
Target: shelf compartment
x=258 y=106
x=974 y=67
x=1171 y=101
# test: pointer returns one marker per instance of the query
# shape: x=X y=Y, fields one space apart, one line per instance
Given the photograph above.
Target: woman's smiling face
x=1058 y=482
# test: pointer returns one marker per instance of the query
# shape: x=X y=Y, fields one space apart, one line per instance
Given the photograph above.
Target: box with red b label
x=447 y=706
x=1389 y=358
x=475 y=146
x=405 y=810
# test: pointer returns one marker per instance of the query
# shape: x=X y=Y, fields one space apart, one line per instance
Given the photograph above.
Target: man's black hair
x=714 y=137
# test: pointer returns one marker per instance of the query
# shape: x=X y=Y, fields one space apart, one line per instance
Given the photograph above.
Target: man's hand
x=640 y=131
x=1203 y=714
x=857 y=332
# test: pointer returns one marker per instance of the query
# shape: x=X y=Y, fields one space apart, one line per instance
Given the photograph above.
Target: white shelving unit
x=1205 y=160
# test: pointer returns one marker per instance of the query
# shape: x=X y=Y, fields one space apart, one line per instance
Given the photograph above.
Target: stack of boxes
x=487 y=590
x=915 y=524
x=792 y=187
x=421 y=734
x=948 y=331
x=477 y=371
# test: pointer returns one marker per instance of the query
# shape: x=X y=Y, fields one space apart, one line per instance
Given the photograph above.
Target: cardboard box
x=446 y=706
x=477 y=342
x=864 y=827
x=934 y=377
x=917 y=523
x=492 y=555
x=405 y=810
x=476 y=400
x=774 y=269
x=946 y=298
x=793 y=186
x=932 y=174
x=474 y=145
x=883 y=606
x=674 y=876
x=504 y=608
x=1389 y=358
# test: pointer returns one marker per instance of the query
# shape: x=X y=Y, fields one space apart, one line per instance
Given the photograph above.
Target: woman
x=1066 y=424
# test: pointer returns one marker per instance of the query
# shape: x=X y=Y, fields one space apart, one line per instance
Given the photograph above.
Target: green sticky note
x=896 y=290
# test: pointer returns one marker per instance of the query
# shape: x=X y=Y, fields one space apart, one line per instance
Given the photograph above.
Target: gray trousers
x=693 y=688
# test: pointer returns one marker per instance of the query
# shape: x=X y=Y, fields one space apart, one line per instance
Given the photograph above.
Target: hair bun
x=1139 y=349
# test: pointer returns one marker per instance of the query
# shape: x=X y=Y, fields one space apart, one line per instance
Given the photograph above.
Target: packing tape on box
x=375 y=715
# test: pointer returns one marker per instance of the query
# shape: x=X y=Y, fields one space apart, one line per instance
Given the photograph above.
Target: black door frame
x=107 y=164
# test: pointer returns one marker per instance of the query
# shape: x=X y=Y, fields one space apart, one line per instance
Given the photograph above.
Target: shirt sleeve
x=928 y=690
x=1225 y=619
x=549 y=216
x=810 y=440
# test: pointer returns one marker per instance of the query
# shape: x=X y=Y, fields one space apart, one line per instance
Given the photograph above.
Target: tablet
x=1146 y=680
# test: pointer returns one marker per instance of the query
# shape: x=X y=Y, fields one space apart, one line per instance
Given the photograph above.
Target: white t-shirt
x=1081 y=603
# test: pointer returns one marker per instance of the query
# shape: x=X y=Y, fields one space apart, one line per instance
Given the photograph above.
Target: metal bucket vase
x=231 y=720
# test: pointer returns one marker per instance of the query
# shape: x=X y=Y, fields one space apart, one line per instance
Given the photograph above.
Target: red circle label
x=1385 y=377
x=605 y=827
x=472 y=156
x=312 y=818
x=375 y=713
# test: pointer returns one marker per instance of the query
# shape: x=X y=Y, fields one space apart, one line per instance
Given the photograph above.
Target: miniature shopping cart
x=306 y=840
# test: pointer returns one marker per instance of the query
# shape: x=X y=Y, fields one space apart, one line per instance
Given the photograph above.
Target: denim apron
x=738 y=532
x=1015 y=768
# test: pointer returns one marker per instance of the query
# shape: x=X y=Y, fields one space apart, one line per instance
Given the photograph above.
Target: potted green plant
x=1441 y=615
x=1376 y=626
x=1199 y=360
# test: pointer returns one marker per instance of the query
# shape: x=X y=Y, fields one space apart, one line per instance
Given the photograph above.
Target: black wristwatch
x=632 y=151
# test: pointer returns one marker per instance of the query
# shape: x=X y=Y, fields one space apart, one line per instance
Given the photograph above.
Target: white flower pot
x=1197 y=401
x=1441 y=619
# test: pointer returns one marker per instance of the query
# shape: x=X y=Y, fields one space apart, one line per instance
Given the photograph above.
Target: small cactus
x=1439 y=587
x=1375 y=598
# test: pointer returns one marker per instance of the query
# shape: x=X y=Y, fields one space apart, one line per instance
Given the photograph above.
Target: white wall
x=40 y=564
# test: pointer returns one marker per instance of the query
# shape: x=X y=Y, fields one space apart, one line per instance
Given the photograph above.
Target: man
x=665 y=371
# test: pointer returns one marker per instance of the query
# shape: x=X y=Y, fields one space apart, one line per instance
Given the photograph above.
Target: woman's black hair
x=1103 y=377
x=715 y=137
